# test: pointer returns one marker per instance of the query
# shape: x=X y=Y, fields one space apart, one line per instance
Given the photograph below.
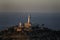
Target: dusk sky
x=30 y=5
x=42 y=11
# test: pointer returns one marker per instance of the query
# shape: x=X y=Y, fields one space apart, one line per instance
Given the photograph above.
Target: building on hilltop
x=19 y=28
x=26 y=26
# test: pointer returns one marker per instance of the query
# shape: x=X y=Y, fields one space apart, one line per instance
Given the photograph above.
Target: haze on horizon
x=30 y=5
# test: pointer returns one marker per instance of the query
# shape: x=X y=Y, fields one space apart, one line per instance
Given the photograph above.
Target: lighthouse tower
x=28 y=19
x=28 y=24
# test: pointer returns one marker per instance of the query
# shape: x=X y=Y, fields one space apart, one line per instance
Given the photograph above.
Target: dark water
x=51 y=20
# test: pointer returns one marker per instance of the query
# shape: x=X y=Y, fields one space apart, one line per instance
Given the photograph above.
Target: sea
x=9 y=19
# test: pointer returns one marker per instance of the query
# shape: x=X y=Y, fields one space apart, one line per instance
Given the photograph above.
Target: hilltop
x=34 y=33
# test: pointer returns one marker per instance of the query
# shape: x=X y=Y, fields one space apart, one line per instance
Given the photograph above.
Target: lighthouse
x=28 y=19
x=28 y=24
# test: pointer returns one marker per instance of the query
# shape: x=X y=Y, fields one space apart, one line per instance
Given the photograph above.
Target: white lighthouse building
x=28 y=24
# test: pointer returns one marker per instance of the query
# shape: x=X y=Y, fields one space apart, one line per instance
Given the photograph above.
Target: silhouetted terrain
x=35 y=33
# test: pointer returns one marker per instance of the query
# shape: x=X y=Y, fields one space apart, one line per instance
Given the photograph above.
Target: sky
x=30 y=5
x=36 y=6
